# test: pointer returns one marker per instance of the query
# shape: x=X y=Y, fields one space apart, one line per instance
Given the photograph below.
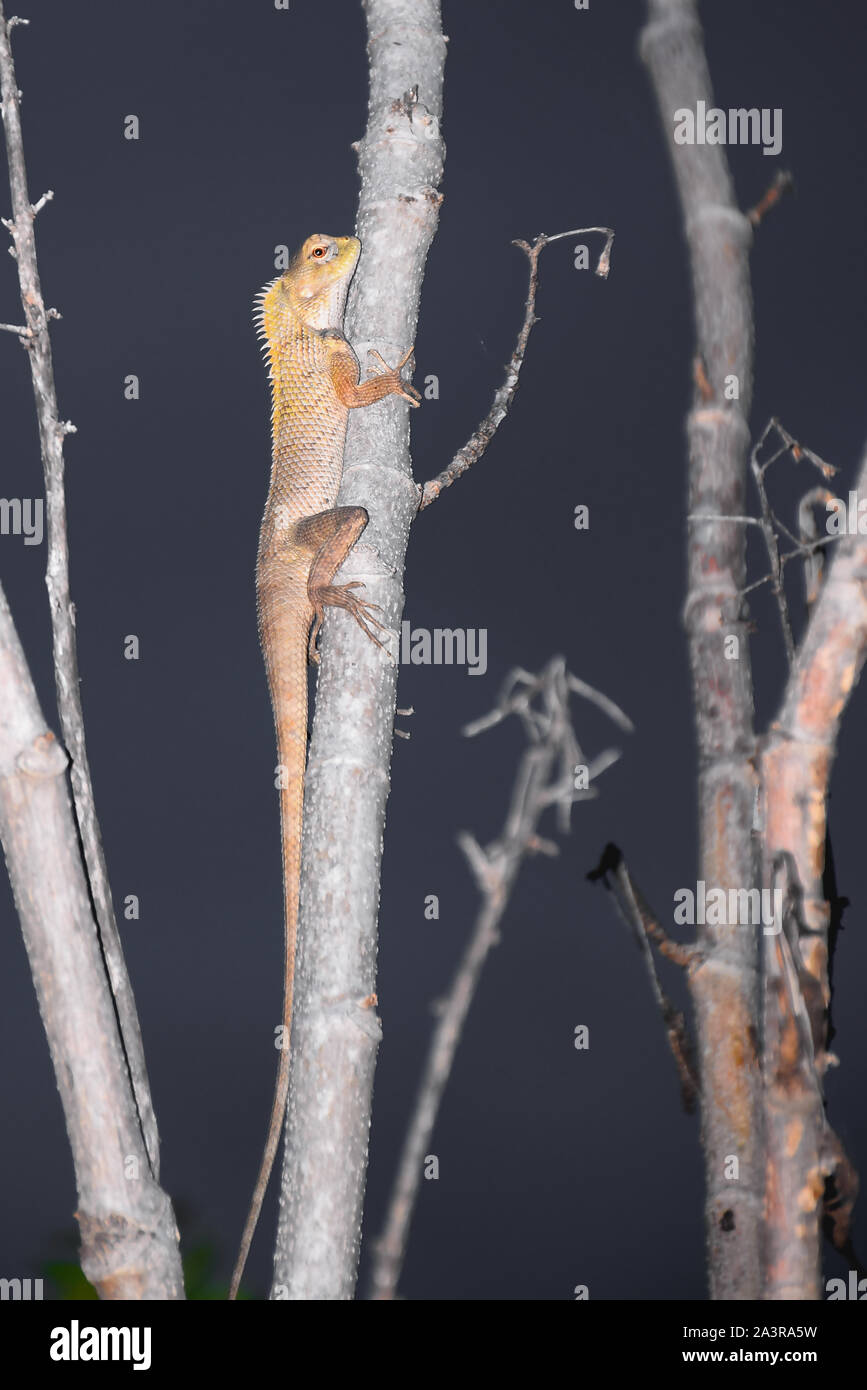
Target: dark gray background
x=557 y=1167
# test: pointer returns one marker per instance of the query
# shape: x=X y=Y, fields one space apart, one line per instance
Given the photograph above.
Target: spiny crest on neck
x=311 y=293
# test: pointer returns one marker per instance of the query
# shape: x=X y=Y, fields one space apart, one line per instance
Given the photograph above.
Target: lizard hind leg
x=331 y=535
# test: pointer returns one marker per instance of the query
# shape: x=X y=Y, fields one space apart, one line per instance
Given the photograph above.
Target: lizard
x=303 y=541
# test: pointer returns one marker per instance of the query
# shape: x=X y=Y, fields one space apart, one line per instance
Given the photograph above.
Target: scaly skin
x=303 y=542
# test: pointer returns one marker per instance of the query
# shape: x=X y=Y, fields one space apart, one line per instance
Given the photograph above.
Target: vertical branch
x=796 y=766
x=725 y=986
x=52 y=430
x=335 y=1030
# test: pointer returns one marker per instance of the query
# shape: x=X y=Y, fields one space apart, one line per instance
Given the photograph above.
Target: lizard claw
x=360 y=609
x=402 y=388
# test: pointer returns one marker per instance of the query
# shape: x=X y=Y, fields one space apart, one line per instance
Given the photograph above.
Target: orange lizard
x=303 y=541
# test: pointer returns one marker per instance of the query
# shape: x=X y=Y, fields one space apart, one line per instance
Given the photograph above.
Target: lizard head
x=313 y=289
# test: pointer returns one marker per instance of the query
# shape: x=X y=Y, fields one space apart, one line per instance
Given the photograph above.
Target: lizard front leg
x=331 y=535
x=343 y=368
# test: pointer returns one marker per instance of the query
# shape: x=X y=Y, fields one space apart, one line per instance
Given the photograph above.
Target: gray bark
x=129 y=1243
x=725 y=984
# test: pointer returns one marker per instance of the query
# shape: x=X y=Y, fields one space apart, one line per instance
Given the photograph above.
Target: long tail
x=285 y=647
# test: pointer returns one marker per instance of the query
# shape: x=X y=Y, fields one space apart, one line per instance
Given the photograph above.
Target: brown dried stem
x=637 y=914
x=782 y=183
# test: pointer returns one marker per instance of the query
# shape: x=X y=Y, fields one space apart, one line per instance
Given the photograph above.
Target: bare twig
x=801 y=552
x=770 y=535
x=40 y=204
x=596 y=697
x=503 y=397
x=51 y=435
x=805 y=546
x=738 y=521
x=632 y=906
x=791 y=445
x=770 y=523
x=542 y=704
x=781 y=183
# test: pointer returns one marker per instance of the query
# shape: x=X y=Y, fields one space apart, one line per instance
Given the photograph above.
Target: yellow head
x=313 y=290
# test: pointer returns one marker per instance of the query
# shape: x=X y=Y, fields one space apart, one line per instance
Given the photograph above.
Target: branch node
x=44 y=757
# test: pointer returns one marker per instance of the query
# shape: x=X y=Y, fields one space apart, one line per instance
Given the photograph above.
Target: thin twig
x=801 y=552
x=632 y=906
x=770 y=535
x=738 y=520
x=770 y=523
x=804 y=546
x=782 y=183
x=481 y=438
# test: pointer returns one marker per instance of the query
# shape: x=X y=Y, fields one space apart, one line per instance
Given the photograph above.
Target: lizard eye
x=318 y=252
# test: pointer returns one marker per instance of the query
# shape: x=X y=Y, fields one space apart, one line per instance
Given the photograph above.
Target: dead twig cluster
x=553 y=772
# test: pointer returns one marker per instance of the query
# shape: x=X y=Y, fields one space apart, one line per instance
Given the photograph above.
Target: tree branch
x=478 y=442
x=725 y=986
x=335 y=1028
x=51 y=435
x=796 y=766
x=129 y=1241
